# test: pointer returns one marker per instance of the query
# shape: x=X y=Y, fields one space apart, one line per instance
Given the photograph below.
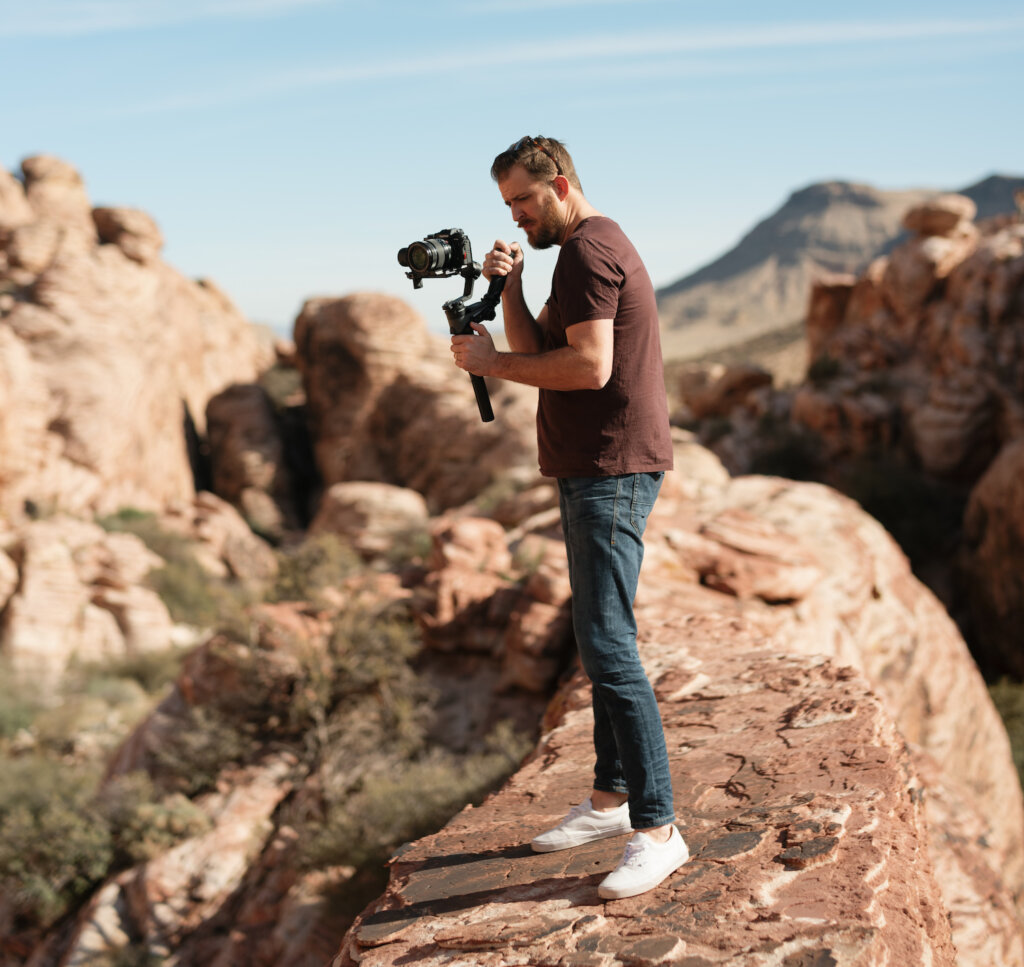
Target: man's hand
x=475 y=354
x=504 y=259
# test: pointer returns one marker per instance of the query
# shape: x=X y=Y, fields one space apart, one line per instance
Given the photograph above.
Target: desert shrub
x=143 y=824
x=192 y=595
x=152 y=670
x=319 y=562
x=408 y=547
x=127 y=955
x=61 y=835
x=146 y=526
x=192 y=757
x=54 y=843
x=19 y=703
x=407 y=802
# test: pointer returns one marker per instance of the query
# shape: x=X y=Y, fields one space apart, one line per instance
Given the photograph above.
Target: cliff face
x=793 y=657
x=108 y=356
x=761 y=286
x=913 y=395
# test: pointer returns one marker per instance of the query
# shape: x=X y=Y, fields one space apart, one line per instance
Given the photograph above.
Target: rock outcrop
x=753 y=298
x=926 y=346
x=108 y=356
x=385 y=404
x=810 y=689
x=76 y=592
x=915 y=379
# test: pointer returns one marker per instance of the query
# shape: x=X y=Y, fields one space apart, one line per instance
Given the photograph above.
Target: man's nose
x=516 y=212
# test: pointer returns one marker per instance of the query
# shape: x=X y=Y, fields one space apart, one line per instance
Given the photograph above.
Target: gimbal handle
x=460 y=316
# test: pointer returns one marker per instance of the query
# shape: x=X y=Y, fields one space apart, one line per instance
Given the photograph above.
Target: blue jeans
x=603 y=521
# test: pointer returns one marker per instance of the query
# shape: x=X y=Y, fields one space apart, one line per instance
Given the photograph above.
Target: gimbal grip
x=494 y=289
x=483 y=399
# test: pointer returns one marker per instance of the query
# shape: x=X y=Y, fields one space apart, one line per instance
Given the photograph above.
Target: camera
x=438 y=256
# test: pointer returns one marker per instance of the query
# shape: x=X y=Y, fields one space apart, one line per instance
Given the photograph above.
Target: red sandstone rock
x=993 y=555
x=387 y=404
x=112 y=353
x=375 y=518
x=788 y=865
x=826 y=859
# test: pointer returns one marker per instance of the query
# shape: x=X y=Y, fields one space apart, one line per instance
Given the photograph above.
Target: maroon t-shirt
x=622 y=427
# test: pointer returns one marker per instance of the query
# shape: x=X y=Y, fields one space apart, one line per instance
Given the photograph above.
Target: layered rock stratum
x=824 y=722
x=108 y=355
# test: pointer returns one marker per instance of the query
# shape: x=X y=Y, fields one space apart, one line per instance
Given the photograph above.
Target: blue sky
x=288 y=148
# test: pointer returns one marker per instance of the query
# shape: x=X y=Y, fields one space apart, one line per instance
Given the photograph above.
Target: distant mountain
x=761 y=286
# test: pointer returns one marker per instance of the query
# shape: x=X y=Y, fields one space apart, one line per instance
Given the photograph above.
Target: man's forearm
x=521 y=329
x=558 y=369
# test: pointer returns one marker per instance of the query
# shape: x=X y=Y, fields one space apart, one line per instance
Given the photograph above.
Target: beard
x=546 y=230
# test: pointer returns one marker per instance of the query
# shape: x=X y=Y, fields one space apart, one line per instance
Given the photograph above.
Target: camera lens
x=429 y=255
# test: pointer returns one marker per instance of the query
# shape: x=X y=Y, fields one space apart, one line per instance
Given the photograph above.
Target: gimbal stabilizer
x=445 y=254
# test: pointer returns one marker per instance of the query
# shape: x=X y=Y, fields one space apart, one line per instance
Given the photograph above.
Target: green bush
x=19 y=703
x=191 y=594
x=319 y=562
x=409 y=801
x=60 y=836
x=192 y=757
x=153 y=670
x=54 y=843
x=142 y=824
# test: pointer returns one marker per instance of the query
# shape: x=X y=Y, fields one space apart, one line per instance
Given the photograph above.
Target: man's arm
x=586 y=363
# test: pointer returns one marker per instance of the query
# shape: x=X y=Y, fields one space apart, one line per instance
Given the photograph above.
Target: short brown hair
x=544 y=158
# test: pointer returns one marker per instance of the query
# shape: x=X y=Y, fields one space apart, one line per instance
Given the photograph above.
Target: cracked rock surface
x=806 y=683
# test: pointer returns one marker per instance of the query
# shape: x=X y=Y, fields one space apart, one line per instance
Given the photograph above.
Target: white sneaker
x=584 y=824
x=644 y=865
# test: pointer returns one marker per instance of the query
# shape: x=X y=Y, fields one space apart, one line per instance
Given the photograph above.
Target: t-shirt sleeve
x=590 y=281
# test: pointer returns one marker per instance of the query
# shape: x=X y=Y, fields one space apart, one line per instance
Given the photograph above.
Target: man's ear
x=561 y=186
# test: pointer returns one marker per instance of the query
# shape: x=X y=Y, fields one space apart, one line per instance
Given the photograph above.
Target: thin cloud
x=606 y=50
x=70 y=18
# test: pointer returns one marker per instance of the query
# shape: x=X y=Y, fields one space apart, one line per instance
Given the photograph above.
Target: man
x=603 y=432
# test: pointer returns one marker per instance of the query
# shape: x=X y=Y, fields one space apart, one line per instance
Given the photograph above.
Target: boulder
x=797 y=800
x=247 y=457
x=386 y=404
x=113 y=359
x=77 y=598
x=132 y=231
x=14 y=207
x=940 y=215
x=375 y=518
x=727 y=392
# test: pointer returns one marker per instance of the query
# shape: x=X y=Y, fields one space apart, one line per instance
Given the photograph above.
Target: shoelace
x=633 y=853
x=577 y=810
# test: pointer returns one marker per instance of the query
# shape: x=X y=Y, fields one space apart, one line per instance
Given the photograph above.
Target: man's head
x=536 y=177
x=544 y=158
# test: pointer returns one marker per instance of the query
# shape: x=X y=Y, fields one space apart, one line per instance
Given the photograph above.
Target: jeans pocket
x=646 y=487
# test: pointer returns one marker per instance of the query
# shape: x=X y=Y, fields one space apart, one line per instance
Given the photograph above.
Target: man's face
x=535 y=207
